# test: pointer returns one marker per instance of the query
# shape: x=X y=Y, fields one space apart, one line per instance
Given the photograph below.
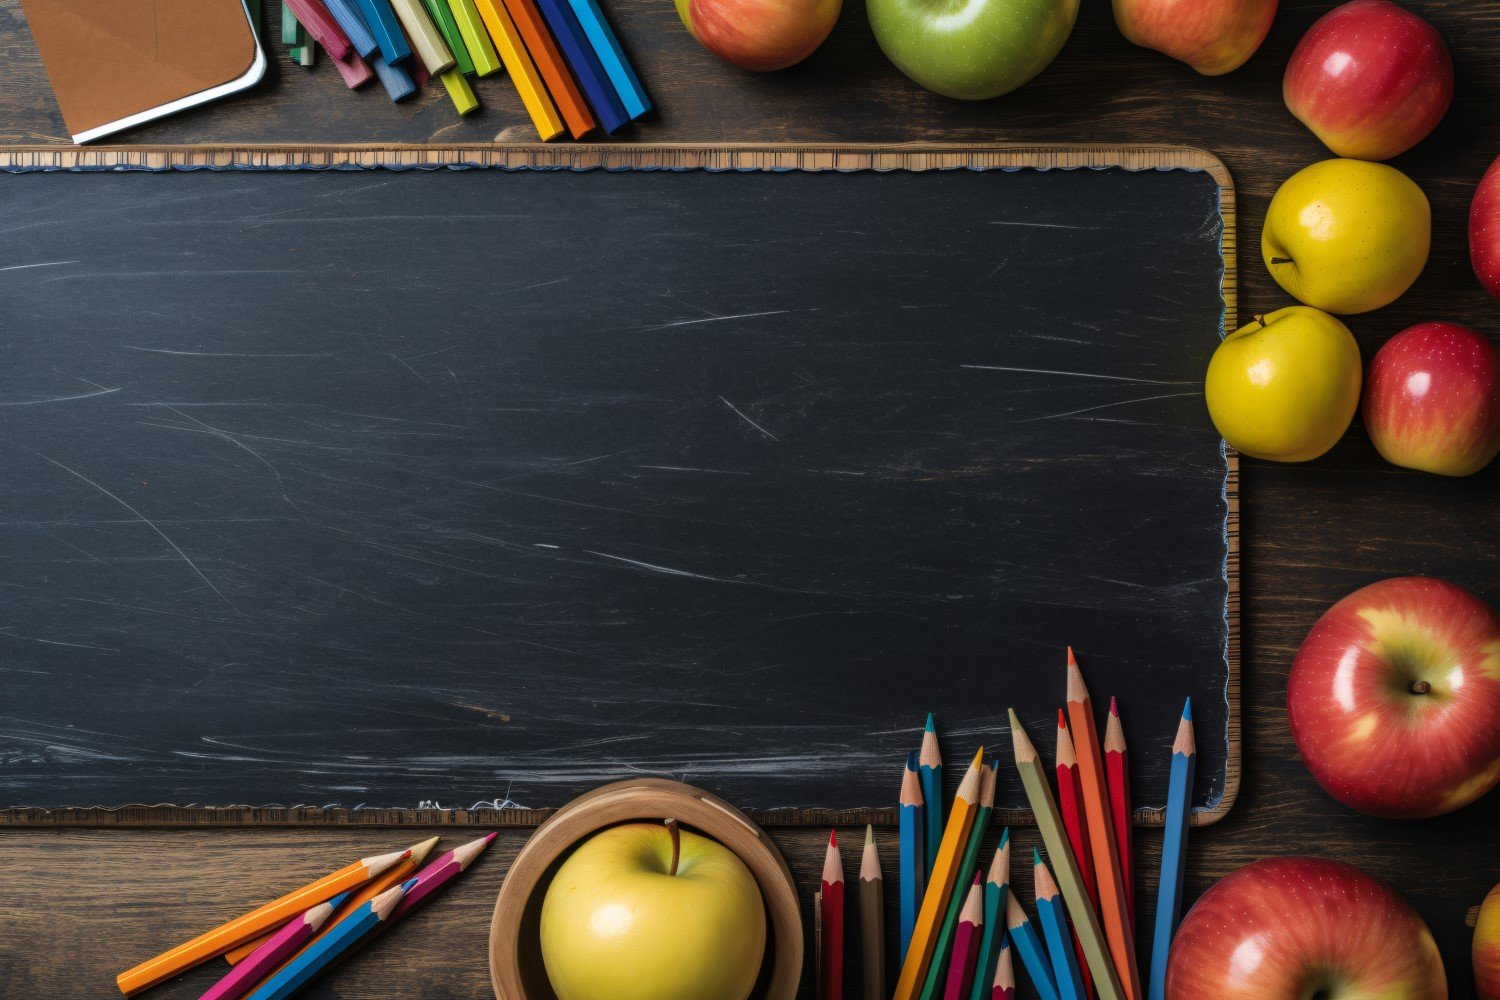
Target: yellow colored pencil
x=940 y=884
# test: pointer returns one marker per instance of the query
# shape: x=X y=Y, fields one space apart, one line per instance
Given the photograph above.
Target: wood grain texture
x=1314 y=532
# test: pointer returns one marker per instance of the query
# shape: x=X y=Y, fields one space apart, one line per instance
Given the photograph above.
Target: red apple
x=760 y=34
x=1212 y=36
x=1484 y=230
x=1293 y=928
x=1432 y=399
x=1370 y=79
x=1395 y=698
x=1487 y=947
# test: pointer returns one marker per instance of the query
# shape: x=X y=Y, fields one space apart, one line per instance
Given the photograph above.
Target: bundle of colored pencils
x=564 y=59
x=278 y=948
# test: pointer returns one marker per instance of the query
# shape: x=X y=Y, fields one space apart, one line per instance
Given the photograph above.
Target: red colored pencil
x=833 y=921
x=966 y=943
x=1005 y=975
x=1117 y=774
x=1070 y=804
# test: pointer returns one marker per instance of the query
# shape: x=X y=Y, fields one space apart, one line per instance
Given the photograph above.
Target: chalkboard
x=383 y=487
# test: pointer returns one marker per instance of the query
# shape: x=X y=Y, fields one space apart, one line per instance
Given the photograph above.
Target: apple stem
x=1420 y=687
x=1282 y=260
x=676 y=845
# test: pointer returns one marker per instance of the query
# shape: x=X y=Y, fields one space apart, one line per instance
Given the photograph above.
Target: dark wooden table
x=76 y=906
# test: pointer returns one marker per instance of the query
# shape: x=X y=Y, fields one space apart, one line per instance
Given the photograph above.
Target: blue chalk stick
x=586 y=65
x=381 y=18
x=353 y=22
x=396 y=80
x=612 y=56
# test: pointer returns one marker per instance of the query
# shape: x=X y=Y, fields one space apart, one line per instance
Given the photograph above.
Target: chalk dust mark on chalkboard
x=720 y=319
x=1051 y=371
x=1105 y=406
x=222 y=354
x=60 y=399
x=739 y=413
x=45 y=263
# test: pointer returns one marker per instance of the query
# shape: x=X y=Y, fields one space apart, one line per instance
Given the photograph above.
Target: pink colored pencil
x=434 y=877
x=1117 y=778
x=1005 y=975
x=966 y=943
x=319 y=23
x=1070 y=804
x=269 y=956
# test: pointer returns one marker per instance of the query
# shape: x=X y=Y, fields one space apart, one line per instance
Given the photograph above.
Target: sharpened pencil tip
x=1187 y=710
x=869 y=834
x=978 y=758
x=929 y=726
x=912 y=757
x=1072 y=660
x=833 y=838
x=1005 y=836
x=1036 y=856
x=1062 y=719
x=1114 y=706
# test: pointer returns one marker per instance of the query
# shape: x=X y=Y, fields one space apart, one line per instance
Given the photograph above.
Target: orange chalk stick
x=549 y=62
x=523 y=72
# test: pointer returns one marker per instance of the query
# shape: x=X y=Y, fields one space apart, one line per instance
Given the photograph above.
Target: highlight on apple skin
x=1432 y=399
x=760 y=35
x=1212 y=36
x=1484 y=230
x=1292 y=928
x=1487 y=947
x=1370 y=79
x=1394 y=699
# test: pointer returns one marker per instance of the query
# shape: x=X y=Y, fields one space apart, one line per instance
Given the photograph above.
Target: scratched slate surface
x=372 y=487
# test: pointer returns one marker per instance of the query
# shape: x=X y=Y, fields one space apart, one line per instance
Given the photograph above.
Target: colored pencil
x=436 y=876
x=1070 y=882
x=1033 y=954
x=460 y=93
x=966 y=944
x=1173 y=849
x=1070 y=805
x=381 y=19
x=1004 y=987
x=913 y=854
x=426 y=41
x=1117 y=777
x=393 y=77
x=832 y=891
x=216 y=942
x=930 y=770
x=319 y=24
x=347 y=14
x=818 y=944
x=995 y=888
x=549 y=63
x=608 y=110
x=350 y=932
x=1054 y=921
x=523 y=72
x=940 y=884
x=476 y=29
x=1114 y=902
x=273 y=951
x=442 y=16
x=388 y=879
x=932 y=988
x=872 y=919
x=612 y=56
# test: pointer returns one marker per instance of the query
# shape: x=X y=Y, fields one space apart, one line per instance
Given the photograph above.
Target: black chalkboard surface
x=384 y=487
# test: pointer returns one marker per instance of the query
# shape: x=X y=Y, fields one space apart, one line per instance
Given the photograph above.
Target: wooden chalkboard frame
x=737 y=157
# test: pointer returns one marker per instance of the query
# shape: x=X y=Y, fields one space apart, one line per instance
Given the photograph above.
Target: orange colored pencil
x=940 y=884
x=216 y=942
x=1114 y=905
x=1117 y=774
x=549 y=62
x=389 y=879
x=1070 y=805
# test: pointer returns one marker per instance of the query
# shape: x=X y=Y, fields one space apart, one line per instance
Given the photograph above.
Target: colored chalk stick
x=381 y=18
x=523 y=73
x=442 y=16
x=426 y=41
x=459 y=91
x=306 y=55
x=355 y=71
x=612 y=56
x=477 y=31
x=394 y=78
x=291 y=31
x=586 y=66
x=315 y=21
x=352 y=23
x=549 y=63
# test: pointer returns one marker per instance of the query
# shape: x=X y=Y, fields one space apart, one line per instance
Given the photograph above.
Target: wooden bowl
x=516 y=968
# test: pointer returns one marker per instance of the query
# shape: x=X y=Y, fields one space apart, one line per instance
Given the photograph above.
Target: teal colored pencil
x=930 y=769
x=345 y=936
x=932 y=986
x=995 y=888
x=1054 y=921
x=1026 y=943
x=1173 y=851
x=913 y=856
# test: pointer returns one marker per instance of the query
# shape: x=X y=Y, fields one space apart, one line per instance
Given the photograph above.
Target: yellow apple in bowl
x=1487 y=947
x=1347 y=236
x=1285 y=386
x=646 y=911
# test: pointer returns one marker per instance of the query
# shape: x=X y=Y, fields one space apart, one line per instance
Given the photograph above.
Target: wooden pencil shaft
x=913 y=872
x=933 y=987
x=872 y=938
x=989 y=941
x=930 y=772
x=1060 y=948
x=1023 y=938
x=1173 y=864
x=1117 y=773
x=426 y=41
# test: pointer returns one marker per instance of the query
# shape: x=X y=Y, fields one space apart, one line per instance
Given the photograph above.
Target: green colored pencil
x=1044 y=809
x=932 y=987
x=995 y=888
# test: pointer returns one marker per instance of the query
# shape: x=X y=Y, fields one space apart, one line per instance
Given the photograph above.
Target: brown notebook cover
x=116 y=63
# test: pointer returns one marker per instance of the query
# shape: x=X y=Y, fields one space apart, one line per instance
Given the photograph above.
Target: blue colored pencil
x=616 y=64
x=995 y=889
x=913 y=856
x=585 y=64
x=346 y=935
x=1054 y=921
x=1033 y=955
x=395 y=79
x=381 y=18
x=353 y=22
x=1173 y=850
x=931 y=772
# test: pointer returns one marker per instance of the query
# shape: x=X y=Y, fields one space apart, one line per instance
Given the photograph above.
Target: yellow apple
x=1487 y=947
x=1347 y=236
x=1285 y=386
x=637 y=914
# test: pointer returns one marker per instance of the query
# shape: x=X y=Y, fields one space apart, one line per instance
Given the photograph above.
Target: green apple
x=1285 y=386
x=648 y=912
x=1347 y=236
x=971 y=49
